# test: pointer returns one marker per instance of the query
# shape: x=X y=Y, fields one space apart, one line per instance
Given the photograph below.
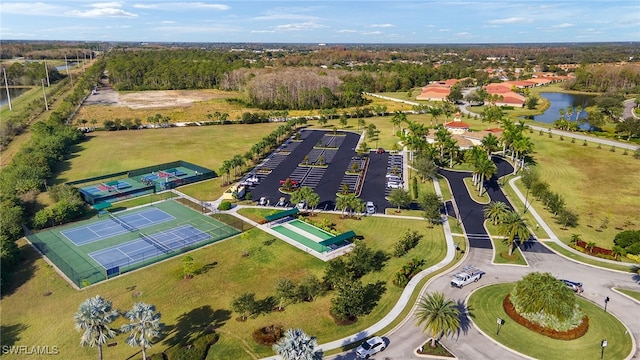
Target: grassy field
x=587 y=259
x=205 y=299
x=502 y=251
x=480 y=199
x=487 y=306
x=206 y=146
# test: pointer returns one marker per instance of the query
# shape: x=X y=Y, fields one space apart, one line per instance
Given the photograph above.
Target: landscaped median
x=487 y=305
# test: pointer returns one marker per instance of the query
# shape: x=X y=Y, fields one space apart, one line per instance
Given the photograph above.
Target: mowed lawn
x=486 y=306
x=189 y=306
x=111 y=151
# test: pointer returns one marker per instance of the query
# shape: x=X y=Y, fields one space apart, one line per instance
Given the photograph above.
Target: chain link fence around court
x=82 y=269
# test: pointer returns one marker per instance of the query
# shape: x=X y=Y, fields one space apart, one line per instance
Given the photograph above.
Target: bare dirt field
x=153 y=99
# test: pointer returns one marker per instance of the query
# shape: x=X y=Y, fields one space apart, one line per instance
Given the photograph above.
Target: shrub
x=197 y=350
x=408 y=242
x=633 y=249
x=572 y=334
x=635 y=258
x=268 y=335
x=409 y=270
x=225 y=205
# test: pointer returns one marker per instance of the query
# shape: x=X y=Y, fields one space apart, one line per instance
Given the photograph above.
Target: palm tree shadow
x=465 y=317
x=636 y=275
x=195 y=323
x=11 y=333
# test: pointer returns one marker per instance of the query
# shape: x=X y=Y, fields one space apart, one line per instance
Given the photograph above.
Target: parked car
x=262 y=201
x=380 y=151
x=396 y=179
x=370 y=347
x=371 y=207
x=573 y=285
x=302 y=205
x=394 y=185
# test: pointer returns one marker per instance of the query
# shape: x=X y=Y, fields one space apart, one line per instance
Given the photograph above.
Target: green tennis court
x=121 y=248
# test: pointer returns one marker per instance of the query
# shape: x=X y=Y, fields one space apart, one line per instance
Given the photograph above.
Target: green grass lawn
x=142 y=200
x=191 y=304
x=206 y=146
x=486 y=305
x=631 y=293
x=480 y=199
x=502 y=254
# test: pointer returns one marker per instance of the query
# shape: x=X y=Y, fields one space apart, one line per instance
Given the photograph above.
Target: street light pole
x=526 y=201
x=606 y=301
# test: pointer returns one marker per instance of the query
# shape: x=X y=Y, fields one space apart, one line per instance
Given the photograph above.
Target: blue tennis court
x=113 y=227
x=142 y=249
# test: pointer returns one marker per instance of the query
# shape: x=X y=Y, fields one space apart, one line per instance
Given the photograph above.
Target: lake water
x=562 y=101
x=13 y=92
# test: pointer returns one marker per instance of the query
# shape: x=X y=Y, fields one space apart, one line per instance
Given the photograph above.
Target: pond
x=562 y=101
x=13 y=92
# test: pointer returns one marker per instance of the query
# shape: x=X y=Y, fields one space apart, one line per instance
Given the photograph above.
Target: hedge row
x=572 y=334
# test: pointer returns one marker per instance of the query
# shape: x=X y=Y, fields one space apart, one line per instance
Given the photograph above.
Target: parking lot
x=298 y=160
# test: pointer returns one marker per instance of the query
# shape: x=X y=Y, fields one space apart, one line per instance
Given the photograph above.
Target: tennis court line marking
x=124 y=253
x=303 y=233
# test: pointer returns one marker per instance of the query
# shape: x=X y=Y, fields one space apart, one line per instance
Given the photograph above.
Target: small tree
x=245 y=305
x=188 y=267
x=285 y=291
x=399 y=198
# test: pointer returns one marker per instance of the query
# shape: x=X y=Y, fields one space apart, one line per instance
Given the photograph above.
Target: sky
x=311 y=21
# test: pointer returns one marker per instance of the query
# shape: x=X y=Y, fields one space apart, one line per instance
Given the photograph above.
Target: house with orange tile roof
x=464 y=138
x=437 y=90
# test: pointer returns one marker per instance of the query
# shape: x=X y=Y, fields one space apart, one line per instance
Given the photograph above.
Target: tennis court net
x=122 y=223
x=165 y=249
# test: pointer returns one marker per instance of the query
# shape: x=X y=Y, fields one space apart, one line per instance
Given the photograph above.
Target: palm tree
x=297 y=345
x=561 y=113
x=93 y=318
x=434 y=111
x=512 y=226
x=342 y=203
x=397 y=119
x=485 y=169
x=439 y=315
x=490 y=144
x=496 y=211
x=521 y=147
x=313 y=199
x=575 y=239
x=144 y=325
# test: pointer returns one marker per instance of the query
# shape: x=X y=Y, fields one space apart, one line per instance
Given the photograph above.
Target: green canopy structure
x=101 y=205
x=281 y=214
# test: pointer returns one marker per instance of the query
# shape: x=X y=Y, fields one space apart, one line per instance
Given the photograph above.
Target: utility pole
x=46 y=71
x=46 y=105
x=6 y=86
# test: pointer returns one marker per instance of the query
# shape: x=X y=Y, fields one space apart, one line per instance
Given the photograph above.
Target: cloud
x=299 y=26
x=562 y=26
x=347 y=31
x=371 y=33
x=173 y=6
x=109 y=9
x=381 y=25
x=197 y=29
x=511 y=20
x=262 y=31
x=166 y=22
x=23 y=8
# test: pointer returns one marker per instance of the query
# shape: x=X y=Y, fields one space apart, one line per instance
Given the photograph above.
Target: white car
x=394 y=185
x=371 y=208
x=302 y=205
x=262 y=201
x=370 y=347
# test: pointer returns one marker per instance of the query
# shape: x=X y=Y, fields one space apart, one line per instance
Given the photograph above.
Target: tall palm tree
x=438 y=315
x=472 y=156
x=434 y=111
x=561 y=113
x=495 y=211
x=397 y=119
x=342 y=203
x=521 y=147
x=297 y=345
x=490 y=144
x=144 y=326
x=485 y=169
x=569 y=112
x=512 y=226
x=442 y=137
x=93 y=318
